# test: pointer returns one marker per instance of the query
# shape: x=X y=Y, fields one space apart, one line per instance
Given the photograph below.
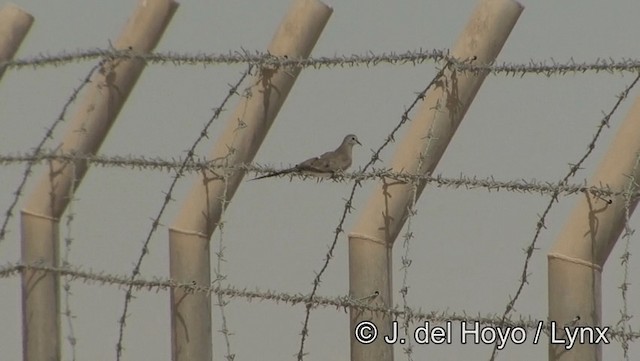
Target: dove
x=328 y=164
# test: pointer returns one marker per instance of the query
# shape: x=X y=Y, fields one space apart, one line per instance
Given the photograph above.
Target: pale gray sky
x=468 y=248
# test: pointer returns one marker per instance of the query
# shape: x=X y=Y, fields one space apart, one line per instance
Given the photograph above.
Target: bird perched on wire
x=328 y=164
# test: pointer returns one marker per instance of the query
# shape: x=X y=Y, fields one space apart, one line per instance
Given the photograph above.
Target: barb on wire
x=339 y=303
x=36 y=151
x=604 y=122
x=156 y=221
x=546 y=67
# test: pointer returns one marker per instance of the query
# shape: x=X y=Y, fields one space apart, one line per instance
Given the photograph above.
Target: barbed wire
x=218 y=270
x=547 y=67
x=630 y=198
x=68 y=239
x=408 y=235
x=198 y=165
x=540 y=224
x=340 y=303
x=406 y=260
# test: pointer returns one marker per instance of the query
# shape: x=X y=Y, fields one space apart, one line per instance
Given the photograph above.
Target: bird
x=328 y=163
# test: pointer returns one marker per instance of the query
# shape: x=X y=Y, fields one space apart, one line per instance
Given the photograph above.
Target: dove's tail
x=274 y=174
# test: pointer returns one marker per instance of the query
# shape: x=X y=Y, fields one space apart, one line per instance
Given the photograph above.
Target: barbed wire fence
x=224 y=291
x=156 y=221
x=547 y=67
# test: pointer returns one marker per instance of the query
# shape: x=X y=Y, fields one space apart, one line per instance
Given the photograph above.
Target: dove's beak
x=357 y=141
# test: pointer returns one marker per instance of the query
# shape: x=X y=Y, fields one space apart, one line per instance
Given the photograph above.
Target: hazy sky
x=467 y=254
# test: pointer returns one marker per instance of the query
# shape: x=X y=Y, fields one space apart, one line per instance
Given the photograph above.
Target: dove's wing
x=321 y=164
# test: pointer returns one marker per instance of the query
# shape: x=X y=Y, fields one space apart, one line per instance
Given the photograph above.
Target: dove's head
x=351 y=140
